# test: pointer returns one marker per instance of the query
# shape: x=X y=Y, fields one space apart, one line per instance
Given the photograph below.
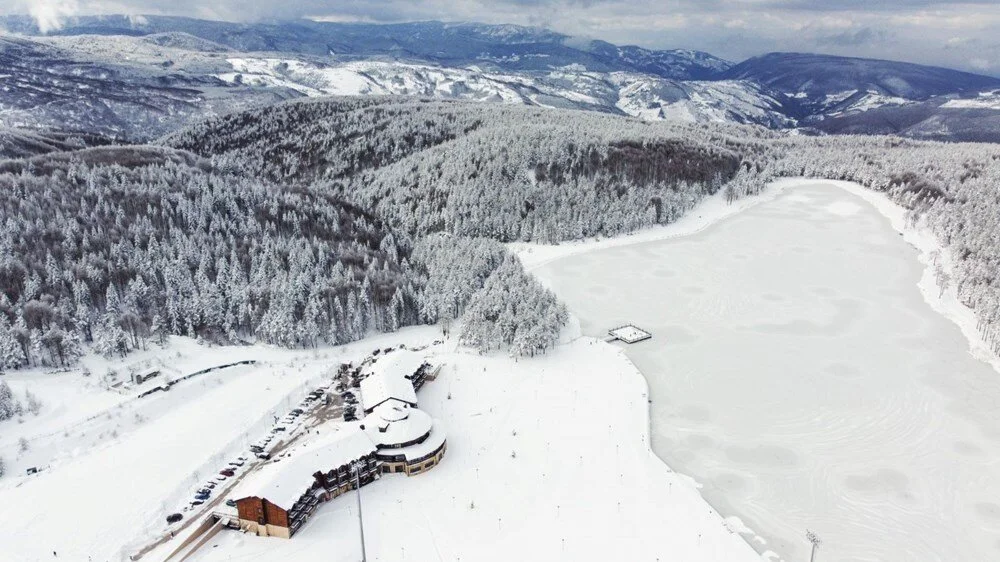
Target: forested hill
x=113 y=247
x=117 y=245
x=319 y=221
x=501 y=171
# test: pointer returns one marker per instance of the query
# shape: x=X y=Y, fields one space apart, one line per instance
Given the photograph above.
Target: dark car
x=197 y=502
x=173 y=518
x=350 y=416
x=227 y=472
x=231 y=503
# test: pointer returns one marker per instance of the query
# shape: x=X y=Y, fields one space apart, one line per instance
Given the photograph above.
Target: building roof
x=283 y=482
x=431 y=444
x=400 y=422
x=388 y=379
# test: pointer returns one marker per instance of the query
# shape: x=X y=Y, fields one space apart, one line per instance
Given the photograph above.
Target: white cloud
x=49 y=14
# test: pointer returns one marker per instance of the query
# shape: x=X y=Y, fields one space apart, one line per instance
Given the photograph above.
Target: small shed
x=143 y=376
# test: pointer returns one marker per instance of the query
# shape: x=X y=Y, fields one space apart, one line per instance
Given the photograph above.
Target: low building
x=395 y=376
x=143 y=376
x=278 y=499
x=407 y=439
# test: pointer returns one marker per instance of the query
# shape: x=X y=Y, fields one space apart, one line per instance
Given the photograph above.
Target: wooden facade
x=261 y=516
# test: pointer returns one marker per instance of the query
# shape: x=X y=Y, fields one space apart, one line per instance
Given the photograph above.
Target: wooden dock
x=628 y=333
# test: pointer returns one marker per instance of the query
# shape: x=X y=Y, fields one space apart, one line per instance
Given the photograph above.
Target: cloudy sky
x=959 y=34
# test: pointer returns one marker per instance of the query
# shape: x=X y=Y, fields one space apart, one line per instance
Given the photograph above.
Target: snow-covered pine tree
x=9 y=405
x=11 y=352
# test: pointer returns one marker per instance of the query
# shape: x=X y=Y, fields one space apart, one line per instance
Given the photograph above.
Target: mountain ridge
x=165 y=72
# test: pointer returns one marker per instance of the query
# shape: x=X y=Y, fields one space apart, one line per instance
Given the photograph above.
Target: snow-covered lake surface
x=798 y=373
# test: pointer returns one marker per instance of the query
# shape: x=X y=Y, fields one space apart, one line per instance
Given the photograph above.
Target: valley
x=656 y=304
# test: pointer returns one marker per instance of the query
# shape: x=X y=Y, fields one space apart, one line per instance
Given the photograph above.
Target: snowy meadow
x=798 y=373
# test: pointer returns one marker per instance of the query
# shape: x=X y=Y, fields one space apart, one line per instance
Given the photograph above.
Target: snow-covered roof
x=431 y=444
x=630 y=334
x=282 y=483
x=400 y=422
x=388 y=379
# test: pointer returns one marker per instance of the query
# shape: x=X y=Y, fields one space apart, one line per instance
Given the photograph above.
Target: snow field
x=548 y=459
x=118 y=474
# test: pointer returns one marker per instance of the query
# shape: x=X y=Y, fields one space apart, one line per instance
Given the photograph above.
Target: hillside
x=823 y=74
x=510 y=173
x=150 y=242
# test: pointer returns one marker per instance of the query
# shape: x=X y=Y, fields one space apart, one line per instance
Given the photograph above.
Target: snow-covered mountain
x=146 y=85
x=140 y=77
x=500 y=47
x=639 y=95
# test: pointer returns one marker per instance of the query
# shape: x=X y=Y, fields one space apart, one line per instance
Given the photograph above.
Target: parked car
x=210 y=484
x=298 y=411
x=197 y=502
x=263 y=456
x=227 y=472
x=201 y=497
x=231 y=503
x=350 y=416
x=237 y=462
x=173 y=518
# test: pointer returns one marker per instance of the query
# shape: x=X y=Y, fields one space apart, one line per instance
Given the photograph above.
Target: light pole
x=814 y=539
x=356 y=466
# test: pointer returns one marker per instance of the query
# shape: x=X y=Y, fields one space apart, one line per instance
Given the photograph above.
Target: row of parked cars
x=205 y=492
x=262 y=449
x=266 y=445
x=350 y=405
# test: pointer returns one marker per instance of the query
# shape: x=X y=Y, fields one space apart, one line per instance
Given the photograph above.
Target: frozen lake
x=798 y=374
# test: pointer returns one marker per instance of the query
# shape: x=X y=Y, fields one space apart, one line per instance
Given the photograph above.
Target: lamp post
x=815 y=540
x=356 y=467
